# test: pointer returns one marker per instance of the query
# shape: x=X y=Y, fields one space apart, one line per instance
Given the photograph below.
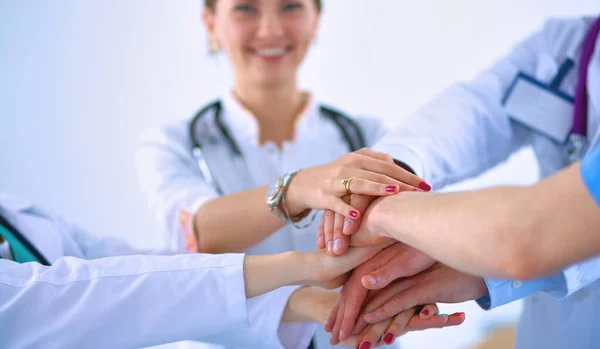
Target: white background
x=80 y=80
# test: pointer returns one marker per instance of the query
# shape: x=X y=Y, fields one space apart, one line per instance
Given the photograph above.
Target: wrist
x=265 y=273
x=378 y=221
x=308 y=304
x=294 y=265
x=293 y=197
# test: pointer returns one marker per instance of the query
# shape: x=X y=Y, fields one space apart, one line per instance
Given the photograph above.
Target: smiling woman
x=207 y=178
x=265 y=41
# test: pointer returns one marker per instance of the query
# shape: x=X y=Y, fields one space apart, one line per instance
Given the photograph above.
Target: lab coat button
x=516 y=284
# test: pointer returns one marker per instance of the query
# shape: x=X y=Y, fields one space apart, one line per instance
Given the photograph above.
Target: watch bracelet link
x=280 y=208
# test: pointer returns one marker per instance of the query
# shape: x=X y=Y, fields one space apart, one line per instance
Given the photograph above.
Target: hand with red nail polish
x=335 y=227
x=395 y=261
x=388 y=330
x=364 y=172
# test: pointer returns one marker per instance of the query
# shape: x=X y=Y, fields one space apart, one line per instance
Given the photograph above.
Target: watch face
x=274 y=190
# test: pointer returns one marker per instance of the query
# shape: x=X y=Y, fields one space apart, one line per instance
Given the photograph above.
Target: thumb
x=361 y=203
x=383 y=276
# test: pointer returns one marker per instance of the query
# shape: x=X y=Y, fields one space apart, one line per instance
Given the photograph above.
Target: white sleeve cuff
x=581 y=275
x=265 y=314
x=235 y=290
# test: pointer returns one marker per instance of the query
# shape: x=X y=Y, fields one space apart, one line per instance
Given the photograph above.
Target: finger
x=329 y=217
x=335 y=333
x=397 y=325
x=389 y=169
x=428 y=311
x=395 y=269
x=365 y=186
x=417 y=323
x=382 y=298
x=338 y=205
x=439 y=321
x=360 y=202
x=354 y=257
x=371 y=337
x=321 y=244
x=356 y=295
x=340 y=241
x=395 y=305
x=375 y=154
x=381 y=179
x=332 y=316
x=351 y=342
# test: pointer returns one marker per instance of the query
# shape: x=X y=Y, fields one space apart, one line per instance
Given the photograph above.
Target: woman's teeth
x=271 y=51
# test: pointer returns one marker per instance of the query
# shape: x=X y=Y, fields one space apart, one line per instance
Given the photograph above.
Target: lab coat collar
x=244 y=125
x=11 y=203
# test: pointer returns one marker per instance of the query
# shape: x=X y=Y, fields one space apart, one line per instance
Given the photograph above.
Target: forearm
x=265 y=273
x=476 y=232
x=217 y=223
x=567 y=223
x=310 y=304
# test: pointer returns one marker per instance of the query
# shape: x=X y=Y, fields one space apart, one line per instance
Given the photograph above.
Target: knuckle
x=393 y=306
x=354 y=158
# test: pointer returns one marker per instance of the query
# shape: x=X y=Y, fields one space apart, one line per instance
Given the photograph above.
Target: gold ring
x=346 y=183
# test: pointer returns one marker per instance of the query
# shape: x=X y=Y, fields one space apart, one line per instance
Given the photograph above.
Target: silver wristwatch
x=276 y=201
x=275 y=196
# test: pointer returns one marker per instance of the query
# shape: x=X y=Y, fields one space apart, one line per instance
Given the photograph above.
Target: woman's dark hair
x=211 y=4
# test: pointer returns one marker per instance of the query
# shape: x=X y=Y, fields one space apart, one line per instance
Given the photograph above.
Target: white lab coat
x=464 y=131
x=170 y=178
x=93 y=296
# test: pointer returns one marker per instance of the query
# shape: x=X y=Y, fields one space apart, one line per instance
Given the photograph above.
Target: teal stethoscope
x=23 y=250
x=348 y=128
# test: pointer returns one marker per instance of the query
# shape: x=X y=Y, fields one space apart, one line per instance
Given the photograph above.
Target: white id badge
x=533 y=104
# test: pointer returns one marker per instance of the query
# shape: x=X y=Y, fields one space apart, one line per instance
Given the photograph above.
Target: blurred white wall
x=80 y=80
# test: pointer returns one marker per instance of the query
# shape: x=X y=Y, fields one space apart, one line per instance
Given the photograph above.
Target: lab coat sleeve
x=171 y=180
x=464 y=131
x=264 y=329
x=94 y=246
x=120 y=302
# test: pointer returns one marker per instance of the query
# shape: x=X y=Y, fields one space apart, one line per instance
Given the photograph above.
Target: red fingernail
x=391 y=189
x=353 y=214
x=457 y=314
x=424 y=186
x=365 y=345
x=425 y=312
x=389 y=338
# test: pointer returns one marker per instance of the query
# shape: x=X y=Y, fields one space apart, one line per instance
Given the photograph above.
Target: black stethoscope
x=349 y=129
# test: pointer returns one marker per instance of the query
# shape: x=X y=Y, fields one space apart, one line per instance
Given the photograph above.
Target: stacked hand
x=400 y=285
x=364 y=172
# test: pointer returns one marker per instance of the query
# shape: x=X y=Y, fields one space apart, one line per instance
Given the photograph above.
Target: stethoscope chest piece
x=576 y=147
